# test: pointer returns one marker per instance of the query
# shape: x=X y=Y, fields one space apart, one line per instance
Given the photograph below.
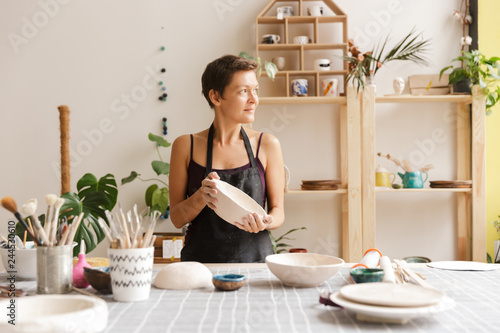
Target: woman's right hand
x=208 y=190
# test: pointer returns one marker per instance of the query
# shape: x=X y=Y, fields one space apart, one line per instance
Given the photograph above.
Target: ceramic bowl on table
x=99 y=278
x=57 y=313
x=303 y=269
x=229 y=282
x=25 y=261
x=233 y=204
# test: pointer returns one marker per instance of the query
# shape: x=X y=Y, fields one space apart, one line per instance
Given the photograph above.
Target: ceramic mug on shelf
x=301 y=39
x=299 y=87
x=383 y=179
x=279 y=62
x=286 y=11
x=315 y=11
x=271 y=39
x=330 y=87
x=322 y=64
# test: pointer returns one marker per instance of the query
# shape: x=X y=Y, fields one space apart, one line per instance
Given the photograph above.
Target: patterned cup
x=299 y=87
x=131 y=272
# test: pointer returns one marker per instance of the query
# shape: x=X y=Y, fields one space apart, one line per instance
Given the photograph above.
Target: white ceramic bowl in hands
x=233 y=204
x=24 y=261
x=56 y=313
x=303 y=269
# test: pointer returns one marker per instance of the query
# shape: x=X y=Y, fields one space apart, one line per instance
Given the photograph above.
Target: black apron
x=214 y=240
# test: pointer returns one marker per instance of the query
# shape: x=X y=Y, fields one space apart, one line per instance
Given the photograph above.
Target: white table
x=264 y=304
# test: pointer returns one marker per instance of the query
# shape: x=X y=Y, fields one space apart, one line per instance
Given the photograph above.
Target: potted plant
x=156 y=197
x=496 y=246
x=476 y=69
x=269 y=67
x=280 y=247
x=364 y=66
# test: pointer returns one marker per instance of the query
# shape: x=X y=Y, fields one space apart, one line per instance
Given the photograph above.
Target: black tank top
x=210 y=239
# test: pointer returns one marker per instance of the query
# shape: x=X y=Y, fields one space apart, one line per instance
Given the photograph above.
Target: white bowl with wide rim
x=56 y=313
x=303 y=269
x=233 y=204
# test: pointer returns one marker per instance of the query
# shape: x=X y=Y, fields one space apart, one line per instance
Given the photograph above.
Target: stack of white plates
x=391 y=303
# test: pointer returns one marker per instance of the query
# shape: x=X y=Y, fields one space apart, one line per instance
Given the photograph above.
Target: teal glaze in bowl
x=365 y=275
x=417 y=260
x=228 y=282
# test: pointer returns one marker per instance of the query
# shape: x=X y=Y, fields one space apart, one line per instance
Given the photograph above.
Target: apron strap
x=210 y=148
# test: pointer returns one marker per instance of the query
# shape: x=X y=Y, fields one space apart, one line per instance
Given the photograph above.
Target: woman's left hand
x=254 y=223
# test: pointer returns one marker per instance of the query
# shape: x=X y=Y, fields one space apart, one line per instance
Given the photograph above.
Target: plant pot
x=462 y=87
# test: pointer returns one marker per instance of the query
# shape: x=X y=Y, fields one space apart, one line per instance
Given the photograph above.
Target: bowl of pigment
x=22 y=261
x=228 y=282
x=99 y=278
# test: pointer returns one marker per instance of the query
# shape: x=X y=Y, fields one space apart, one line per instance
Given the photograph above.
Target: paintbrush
x=9 y=204
x=50 y=199
x=29 y=208
x=53 y=226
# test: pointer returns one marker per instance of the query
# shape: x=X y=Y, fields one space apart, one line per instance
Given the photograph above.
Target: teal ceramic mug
x=413 y=179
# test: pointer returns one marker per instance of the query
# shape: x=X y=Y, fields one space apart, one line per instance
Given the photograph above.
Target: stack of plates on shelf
x=332 y=184
x=451 y=183
x=391 y=303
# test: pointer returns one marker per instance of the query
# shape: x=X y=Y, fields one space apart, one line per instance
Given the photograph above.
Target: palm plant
x=363 y=65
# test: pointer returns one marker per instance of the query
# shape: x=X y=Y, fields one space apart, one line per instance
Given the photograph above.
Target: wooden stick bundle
x=127 y=233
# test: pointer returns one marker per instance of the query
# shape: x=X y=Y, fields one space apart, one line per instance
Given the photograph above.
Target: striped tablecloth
x=264 y=304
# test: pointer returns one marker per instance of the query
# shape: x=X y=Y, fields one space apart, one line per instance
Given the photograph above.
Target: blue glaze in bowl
x=228 y=282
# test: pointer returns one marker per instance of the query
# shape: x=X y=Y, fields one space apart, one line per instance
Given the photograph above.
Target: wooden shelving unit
x=286 y=44
x=471 y=202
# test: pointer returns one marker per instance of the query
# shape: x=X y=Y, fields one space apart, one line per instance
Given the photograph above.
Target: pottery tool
x=65 y=158
x=50 y=199
x=29 y=208
x=385 y=264
x=53 y=225
x=24 y=238
x=74 y=228
x=418 y=280
x=9 y=204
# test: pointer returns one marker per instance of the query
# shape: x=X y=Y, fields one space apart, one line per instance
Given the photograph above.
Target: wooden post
x=478 y=175
x=65 y=160
x=464 y=173
x=351 y=175
x=368 y=166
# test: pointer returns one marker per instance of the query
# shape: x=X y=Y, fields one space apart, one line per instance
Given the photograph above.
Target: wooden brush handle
x=65 y=160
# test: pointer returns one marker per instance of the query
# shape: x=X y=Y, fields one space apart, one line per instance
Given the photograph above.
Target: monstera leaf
x=93 y=199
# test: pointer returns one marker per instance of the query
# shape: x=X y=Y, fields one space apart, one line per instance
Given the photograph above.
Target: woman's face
x=240 y=97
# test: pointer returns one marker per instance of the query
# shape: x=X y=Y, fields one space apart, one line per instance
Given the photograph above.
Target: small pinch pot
x=229 y=282
x=24 y=261
x=99 y=278
x=366 y=275
x=303 y=269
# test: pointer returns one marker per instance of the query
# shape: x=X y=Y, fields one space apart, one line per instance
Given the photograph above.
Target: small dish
x=417 y=260
x=99 y=278
x=366 y=275
x=390 y=294
x=233 y=204
x=463 y=265
x=229 y=282
x=388 y=314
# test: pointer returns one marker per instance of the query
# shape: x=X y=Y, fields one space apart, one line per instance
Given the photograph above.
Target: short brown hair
x=218 y=74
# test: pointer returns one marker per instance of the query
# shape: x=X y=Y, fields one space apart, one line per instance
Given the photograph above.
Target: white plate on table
x=233 y=204
x=388 y=314
x=390 y=294
x=463 y=265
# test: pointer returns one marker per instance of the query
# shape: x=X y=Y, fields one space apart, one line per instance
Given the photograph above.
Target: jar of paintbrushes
x=54 y=243
x=131 y=253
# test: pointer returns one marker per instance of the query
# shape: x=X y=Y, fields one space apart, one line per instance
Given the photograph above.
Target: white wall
x=94 y=55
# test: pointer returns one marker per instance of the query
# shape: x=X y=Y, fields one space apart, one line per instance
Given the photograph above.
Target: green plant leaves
x=159 y=140
x=133 y=175
x=161 y=168
x=271 y=69
x=281 y=247
x=157 y=198
x=93 y=198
